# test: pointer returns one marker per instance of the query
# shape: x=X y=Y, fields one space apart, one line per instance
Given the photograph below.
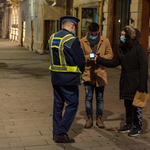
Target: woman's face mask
x=122 y=39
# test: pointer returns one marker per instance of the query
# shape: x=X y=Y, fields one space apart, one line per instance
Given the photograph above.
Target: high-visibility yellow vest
x=58 y=43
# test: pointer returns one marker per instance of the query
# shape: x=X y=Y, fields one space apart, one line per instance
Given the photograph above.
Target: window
x=88 y=15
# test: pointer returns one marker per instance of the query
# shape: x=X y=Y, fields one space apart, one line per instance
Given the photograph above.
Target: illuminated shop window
x=14 y=29
x=88 y=15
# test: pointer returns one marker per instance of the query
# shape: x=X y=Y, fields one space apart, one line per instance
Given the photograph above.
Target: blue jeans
x=89 y=90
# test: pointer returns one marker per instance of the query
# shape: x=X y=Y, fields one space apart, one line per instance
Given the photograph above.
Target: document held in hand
x=140 y=99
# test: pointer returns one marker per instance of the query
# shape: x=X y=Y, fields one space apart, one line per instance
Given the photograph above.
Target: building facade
x=31 y=22
x=112 y=16
x=9 y=20
x=37 y=21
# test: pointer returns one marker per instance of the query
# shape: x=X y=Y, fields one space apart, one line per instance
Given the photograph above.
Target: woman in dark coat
x=134 y=75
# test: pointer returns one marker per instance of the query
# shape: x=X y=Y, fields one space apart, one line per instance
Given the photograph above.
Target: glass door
x=121 y=19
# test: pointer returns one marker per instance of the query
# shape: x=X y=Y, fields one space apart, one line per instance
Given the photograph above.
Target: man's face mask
x=93 y=37
x=122 y=39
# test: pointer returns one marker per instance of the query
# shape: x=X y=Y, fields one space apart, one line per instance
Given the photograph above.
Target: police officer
x=67 y=63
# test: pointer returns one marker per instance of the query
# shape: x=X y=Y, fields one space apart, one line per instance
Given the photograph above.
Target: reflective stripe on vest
x=59 y=44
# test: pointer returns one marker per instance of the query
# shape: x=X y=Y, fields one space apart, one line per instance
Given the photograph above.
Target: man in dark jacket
x=67 y=65
x=134 y=75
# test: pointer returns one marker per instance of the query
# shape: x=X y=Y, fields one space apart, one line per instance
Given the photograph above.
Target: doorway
x=23 y=33
x=121 y=19
x=89 y=14
x=50 y=27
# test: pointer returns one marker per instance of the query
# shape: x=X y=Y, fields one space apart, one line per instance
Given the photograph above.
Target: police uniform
x=67 y=63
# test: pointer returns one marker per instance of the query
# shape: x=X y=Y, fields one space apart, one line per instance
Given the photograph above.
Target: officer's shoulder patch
x=56 y=42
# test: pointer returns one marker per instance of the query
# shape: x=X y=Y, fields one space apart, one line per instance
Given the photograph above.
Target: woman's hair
x=138 y=35
x=93 y=27
x=131 y=31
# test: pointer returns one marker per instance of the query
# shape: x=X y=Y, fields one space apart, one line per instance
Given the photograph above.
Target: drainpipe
x=101 y=22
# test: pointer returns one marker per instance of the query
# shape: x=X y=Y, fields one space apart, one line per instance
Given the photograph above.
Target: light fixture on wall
x=103 y=18
x=132 y=21
x=54 y=3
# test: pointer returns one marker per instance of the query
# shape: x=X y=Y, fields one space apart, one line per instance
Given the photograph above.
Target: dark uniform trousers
x=62 y=94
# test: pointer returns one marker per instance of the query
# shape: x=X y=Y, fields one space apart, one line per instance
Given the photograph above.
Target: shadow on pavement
x=110 y=136
x=26 y=71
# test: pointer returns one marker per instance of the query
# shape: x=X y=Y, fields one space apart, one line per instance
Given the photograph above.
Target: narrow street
x=26 y=107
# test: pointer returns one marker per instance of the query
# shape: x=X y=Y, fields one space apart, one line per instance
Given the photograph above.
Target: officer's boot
x=99 y=122
x=89 y=122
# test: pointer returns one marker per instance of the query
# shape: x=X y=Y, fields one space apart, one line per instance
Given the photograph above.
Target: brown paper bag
x=140 y=99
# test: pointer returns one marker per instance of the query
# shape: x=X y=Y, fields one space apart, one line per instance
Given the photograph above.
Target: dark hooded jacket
x=134 y=73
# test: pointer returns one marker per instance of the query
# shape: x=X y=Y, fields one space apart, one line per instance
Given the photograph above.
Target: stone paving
x=26 y=104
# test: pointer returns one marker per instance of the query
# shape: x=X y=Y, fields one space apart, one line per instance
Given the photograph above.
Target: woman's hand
x=95 y=57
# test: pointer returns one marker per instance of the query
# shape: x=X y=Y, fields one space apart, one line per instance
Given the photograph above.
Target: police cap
x=69 y=18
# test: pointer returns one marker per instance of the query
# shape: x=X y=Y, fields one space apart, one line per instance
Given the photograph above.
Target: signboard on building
x=76 y=3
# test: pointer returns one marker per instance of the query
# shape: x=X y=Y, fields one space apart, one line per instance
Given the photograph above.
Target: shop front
x=87 y=11
x=14 y=24
x=121 y=19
